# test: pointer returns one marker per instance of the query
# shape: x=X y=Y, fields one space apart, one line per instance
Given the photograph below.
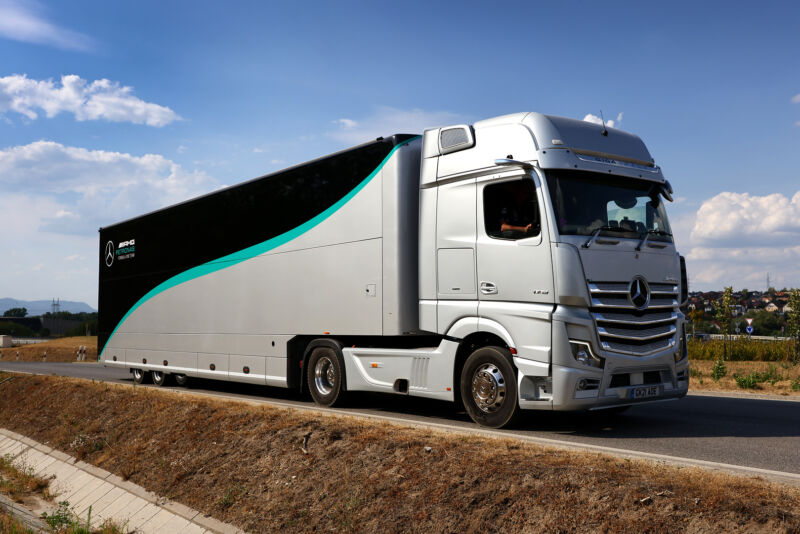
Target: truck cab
x=548 y=238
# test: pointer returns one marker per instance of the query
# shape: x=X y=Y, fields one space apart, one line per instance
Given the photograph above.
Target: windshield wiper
x=646 y=235
x=597 y=232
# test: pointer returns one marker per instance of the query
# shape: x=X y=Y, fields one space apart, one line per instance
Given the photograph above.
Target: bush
x=752 y=380
x=746 y=381
x=719 y=370
x=742 y=349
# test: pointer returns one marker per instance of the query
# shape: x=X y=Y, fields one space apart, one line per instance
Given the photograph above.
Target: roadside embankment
x=56 y=350
x=775 y=378
x=266 y=469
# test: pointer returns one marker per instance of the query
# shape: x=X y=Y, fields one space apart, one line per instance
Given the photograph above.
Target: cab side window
x=510 y=210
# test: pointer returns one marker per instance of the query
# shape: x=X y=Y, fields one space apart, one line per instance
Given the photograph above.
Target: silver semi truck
x=523 y=262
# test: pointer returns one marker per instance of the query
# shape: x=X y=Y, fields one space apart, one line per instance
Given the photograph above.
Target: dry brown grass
x=243 y=464
x=19 y=482
x=9 y=525
x=701 y=379
x=58 y=350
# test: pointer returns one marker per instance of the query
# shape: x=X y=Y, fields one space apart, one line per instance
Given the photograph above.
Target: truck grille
x=625 y=329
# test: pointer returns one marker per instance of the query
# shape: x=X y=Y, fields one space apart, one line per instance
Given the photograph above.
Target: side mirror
x=666 y=190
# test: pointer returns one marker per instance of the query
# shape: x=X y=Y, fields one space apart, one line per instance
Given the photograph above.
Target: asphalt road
x=745 y=432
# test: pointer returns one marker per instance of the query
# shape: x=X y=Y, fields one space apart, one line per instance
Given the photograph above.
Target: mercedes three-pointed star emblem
x=639 y=293
x=109 y=253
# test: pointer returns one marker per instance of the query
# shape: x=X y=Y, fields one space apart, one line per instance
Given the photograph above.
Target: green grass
x=65 y=521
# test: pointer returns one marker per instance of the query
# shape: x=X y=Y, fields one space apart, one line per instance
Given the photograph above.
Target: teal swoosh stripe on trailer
x=254 y=250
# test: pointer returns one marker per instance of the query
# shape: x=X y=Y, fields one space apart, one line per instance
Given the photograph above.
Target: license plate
x=644 y=392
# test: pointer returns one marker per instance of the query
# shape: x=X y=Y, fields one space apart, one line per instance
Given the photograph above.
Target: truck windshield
x=585 y=202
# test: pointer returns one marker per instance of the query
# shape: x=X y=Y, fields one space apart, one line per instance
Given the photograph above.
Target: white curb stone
x=108 y=496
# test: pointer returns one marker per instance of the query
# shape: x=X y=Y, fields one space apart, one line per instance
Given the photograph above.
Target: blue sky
x=166 y=100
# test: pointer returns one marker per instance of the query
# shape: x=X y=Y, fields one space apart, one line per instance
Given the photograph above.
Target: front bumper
x=659 y=377
x=623 y=380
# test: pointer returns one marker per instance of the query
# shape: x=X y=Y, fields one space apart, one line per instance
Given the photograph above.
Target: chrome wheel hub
x=324 y=375
x=488 y=388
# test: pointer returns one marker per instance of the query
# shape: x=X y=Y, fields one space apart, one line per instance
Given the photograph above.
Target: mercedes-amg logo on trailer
x=109 y=253
x=639 y=293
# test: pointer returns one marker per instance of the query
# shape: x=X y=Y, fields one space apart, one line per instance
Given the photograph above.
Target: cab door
x=455 y=252
x=514 y=263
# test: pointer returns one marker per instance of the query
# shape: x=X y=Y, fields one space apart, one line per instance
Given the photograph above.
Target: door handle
x=488 y=288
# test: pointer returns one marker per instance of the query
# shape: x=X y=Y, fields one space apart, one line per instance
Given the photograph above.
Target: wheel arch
x=474 y=334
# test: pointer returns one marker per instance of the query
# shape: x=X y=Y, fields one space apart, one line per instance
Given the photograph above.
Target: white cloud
x=95 y=187
x=594 y=119
x=100 y=99
x=23 y=21
x=746 y=219
x=181 y=149
x=796 y=99
x=258 y=150
x=737 y=238
x=386 y=121
x=346 y=123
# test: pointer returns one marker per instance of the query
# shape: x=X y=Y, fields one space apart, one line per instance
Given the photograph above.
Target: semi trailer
x=523 y=262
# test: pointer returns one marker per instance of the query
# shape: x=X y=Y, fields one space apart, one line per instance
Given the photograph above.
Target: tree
x=14 y=329
x=766 y=323
x=793 y=322
x=16 y=312
x=724 y=316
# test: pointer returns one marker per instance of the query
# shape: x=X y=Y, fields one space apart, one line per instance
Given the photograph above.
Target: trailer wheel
x=139 y=376
x=181 y=380
x=489 y=387
x=324 y=376
x=160 y=378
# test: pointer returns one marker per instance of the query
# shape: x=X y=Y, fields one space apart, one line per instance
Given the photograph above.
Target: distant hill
x=39 y=307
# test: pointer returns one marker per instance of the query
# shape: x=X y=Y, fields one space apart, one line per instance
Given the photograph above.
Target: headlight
x=583 y=354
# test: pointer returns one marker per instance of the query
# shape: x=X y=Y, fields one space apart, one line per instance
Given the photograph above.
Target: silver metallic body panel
x=355 y=273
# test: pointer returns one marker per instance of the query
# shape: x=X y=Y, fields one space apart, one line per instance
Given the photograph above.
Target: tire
x=181 y=380
x=489 y=387
x=160 y=378
x=139 y=376
x=325 y=376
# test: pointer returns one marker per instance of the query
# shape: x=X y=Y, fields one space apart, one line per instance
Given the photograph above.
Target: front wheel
x=489 y=387
x=324 y=376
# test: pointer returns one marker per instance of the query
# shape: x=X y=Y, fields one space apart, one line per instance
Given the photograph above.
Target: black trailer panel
x=139 y=254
